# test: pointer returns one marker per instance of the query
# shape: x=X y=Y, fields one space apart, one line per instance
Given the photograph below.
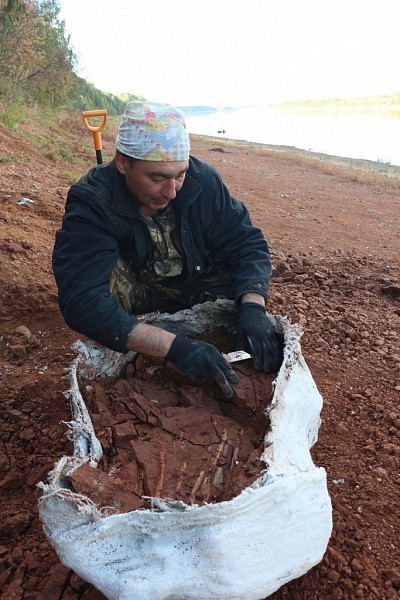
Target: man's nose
x=169 y=189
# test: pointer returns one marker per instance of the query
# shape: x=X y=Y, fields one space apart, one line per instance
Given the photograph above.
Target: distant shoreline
x=292 y=150
x=358 y=169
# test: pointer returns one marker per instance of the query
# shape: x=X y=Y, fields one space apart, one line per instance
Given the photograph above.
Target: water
x=372 y=136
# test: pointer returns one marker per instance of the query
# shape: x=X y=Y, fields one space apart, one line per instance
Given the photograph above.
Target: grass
x=360 y=171
x=389 y=103
x=10 y=116
x=357 y=170
x=364 y=174
x=72 y=176
x=58 y=134
x=8 y=158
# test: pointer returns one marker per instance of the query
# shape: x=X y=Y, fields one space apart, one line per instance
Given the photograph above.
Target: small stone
x=356 y=565
x=394 y=575
x=370 y=448
x=302 y=320
x=18 y=350
x=392 y=290
x=333 y=575
x=279 y=298
x=124 y=433
x=34 y=342
x=56 y=582
x=348 y=584
x=14 y=590
x=381 y=472
x=319 y=275
x=27 y=434
x=22 y=330
x=130 y=370
x=337 y=556
x=281 y=267
x=300 y=278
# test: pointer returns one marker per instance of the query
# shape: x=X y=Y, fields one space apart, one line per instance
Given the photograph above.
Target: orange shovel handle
x=95 y=129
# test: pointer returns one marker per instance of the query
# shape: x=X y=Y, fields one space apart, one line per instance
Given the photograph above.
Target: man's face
x=153 y=184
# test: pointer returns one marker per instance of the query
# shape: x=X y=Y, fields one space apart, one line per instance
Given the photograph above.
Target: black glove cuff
x=251 y=306
x=174 y=350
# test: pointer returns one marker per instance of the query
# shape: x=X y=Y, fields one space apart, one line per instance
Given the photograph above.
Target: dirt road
x=335 y=247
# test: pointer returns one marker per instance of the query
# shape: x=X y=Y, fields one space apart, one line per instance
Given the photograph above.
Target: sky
x=236 y=52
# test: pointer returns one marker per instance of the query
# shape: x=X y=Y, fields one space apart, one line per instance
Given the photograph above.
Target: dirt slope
x=335 y=246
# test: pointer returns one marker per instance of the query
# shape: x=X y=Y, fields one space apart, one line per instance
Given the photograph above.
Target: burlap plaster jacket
x=101 y=223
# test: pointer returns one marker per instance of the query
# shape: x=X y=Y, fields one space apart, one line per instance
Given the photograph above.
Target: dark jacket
x=101 y=223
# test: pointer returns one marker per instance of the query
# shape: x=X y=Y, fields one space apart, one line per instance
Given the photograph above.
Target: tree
x=9 y=11
x=36 y=61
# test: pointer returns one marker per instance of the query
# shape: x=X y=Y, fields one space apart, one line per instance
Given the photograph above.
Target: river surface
x=366 y=135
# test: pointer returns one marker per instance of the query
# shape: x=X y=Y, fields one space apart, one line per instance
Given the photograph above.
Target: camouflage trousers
x=141 y=294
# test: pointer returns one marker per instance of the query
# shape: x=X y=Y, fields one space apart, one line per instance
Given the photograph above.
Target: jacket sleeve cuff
x=261 y=289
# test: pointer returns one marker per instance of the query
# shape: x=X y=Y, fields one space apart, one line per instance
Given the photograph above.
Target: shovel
x=96 y=129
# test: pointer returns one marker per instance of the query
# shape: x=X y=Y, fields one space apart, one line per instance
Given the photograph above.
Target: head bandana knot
x=151 y=131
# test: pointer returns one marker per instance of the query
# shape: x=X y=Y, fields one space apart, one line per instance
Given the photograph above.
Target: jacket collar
x=123 y=203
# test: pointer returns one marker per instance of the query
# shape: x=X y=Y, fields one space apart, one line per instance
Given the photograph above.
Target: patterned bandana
x=151 y=131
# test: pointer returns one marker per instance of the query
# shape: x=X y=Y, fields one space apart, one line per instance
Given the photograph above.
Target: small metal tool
x=236 y=356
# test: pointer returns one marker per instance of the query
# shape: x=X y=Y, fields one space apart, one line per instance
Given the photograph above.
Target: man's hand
x=202 y=362
x=256 y=334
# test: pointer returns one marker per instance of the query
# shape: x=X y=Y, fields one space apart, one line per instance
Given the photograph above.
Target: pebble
x=381 y=472
x=392 y=290
x=22 y=330
x=333 y=575
x=18 y=350
x=14 y=590
x=356 y=565
x=57 y=580
x=27 y=434
x=302 y=319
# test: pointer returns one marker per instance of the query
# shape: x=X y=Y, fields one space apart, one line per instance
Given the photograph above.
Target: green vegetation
x=86 y=96
x=10 y=116
x=37 y=65
x=73 y=176
x=36 y=62
x=8 y=158
x=383 y=103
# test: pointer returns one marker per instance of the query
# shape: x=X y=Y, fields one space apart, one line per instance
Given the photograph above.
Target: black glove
x=256 y=335
x=202 y=362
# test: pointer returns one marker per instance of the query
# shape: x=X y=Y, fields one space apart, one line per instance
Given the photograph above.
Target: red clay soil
x=165 y=437
x=335 y=250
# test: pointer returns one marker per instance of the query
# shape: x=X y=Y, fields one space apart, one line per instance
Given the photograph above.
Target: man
x=156 y=229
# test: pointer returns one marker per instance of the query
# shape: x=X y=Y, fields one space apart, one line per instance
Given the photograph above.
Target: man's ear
x=121 y=163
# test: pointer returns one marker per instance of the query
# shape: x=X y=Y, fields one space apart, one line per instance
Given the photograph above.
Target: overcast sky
x=237 y=52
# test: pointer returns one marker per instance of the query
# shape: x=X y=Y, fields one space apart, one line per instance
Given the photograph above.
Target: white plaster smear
x=243 y=549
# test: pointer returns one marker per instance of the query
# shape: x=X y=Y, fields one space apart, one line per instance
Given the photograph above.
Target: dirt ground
x=335 y=249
